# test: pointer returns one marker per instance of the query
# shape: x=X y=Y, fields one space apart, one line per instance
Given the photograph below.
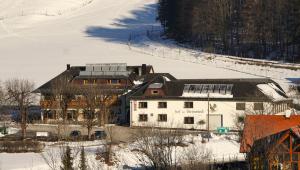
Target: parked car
x=99 y=134
x=75 y=134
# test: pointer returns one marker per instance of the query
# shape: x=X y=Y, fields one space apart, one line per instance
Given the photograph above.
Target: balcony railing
x=80 y=103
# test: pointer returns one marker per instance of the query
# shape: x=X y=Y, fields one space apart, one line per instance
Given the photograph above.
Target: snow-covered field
x=38 y=38
x=125 y=156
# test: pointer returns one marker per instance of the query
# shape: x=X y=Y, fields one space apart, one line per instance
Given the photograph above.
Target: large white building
x=191 y=104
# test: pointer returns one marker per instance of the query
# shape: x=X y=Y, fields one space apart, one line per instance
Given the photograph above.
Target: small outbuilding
x=272 y=142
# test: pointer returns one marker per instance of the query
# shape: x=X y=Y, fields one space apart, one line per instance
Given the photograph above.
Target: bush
x=21 y=146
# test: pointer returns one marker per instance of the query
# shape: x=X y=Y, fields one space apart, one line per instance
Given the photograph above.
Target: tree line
x=246 y=28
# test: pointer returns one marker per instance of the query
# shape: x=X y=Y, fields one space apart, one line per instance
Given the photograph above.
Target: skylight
x=202 y=90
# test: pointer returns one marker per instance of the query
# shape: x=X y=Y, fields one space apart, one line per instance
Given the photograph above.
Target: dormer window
x=154 y=92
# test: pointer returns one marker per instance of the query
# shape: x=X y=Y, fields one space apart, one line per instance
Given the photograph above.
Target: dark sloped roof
x=242 y=88
x=74 y=73
x=69 y=74
x=152 y=76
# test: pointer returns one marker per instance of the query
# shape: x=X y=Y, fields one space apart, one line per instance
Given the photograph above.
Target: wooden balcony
x=76 y=104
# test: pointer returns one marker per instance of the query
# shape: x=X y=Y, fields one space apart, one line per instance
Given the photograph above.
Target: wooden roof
x=260 y=126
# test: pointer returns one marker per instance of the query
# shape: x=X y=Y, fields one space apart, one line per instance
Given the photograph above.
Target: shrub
x=21 y=146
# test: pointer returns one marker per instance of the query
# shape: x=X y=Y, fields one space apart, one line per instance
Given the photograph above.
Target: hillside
x=38 y=38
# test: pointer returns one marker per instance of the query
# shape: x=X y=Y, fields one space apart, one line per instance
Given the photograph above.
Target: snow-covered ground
x=38 y=46
x=125 y=156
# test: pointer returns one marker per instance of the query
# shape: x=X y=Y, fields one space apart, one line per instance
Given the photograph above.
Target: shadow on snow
x=123 y=29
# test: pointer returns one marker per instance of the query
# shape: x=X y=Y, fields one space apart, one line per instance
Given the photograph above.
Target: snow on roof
x=205 y=95
x=208 y=90
x=272 y=91
x=166 y=78
x=137 y=82
x=155 y=85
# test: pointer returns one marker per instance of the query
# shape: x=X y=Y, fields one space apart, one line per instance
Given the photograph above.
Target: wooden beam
x=291 y=147
x=279 y=142
x=296 y=147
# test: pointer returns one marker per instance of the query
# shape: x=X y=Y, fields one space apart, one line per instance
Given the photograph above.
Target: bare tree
x=51 y=156
x=106 y=100
x=157 y=147
x=195 y=157
x=2 y=94
x=92 y=104
x=62 y=93
x=2 y=99
x=110 y=141
x=19 y=94
x=261 y=109
x=97 y=100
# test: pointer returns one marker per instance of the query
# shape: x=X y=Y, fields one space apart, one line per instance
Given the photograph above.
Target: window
x=258 y=106
x=188 y=120
x=88 y=115
x=143 y=118
x=114 y=81
x=162 y=104
x=188 y=104
x=162 y=117
x=143 y=105
x=240 y=106
x=154 y=91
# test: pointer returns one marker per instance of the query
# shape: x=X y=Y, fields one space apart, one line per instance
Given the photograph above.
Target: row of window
x=94 y=81
x=144 y=105
x=256 y=106
x=164 y=118
x=239 y=106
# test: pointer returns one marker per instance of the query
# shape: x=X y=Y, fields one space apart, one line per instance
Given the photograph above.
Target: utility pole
x=208 y=134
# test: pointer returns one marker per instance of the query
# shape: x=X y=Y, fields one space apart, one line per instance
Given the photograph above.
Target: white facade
x=222 y=113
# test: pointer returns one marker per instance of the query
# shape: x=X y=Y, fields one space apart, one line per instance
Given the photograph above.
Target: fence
x=150 y=42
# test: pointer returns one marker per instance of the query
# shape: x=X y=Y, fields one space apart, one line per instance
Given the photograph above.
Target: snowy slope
x=39 y=46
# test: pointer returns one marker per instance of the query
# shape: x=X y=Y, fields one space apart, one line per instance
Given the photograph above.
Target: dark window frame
x=189 y=120
x=258 y=106
x=162 y=118
x=143 y=105
x=240 y=106
x=188 y=104
x=162 y=105
x=143 y=118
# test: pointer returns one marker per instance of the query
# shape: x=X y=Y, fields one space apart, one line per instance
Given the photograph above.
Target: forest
x=262 y=29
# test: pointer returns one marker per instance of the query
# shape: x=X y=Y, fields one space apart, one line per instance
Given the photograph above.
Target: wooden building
x=272 y=142
x=107 y=79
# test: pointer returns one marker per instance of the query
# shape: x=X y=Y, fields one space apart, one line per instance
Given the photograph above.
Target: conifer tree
x=82 y=165
x=67 y=159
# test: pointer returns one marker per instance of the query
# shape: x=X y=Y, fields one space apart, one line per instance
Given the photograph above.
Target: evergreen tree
x=82 y=165
x=247 y=28
x=67 y=159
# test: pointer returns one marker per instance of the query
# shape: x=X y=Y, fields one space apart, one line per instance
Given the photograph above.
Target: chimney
x=144 y=69
x=68 y=66
x=288 y=113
